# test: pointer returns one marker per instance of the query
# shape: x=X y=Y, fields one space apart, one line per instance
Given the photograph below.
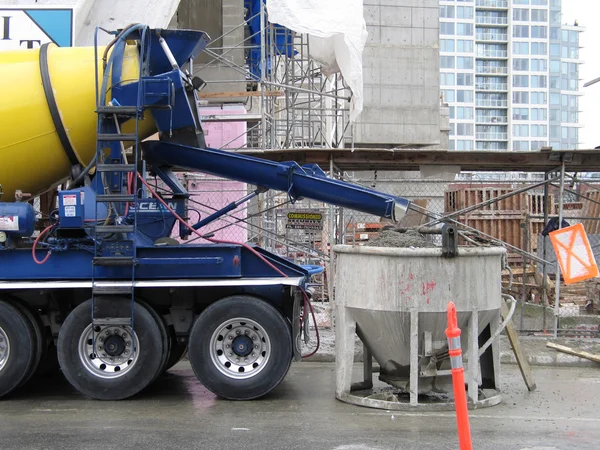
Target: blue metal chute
x=298 y=181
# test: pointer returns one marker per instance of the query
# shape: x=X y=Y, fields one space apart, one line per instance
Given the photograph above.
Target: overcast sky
x=587 y=12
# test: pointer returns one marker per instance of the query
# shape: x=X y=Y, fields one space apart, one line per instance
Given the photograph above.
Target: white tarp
x=338 y=35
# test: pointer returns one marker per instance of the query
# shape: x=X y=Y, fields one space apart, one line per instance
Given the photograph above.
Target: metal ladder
x=111 y=173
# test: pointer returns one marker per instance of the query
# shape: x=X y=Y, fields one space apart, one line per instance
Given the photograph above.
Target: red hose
x=246 y=246
x=35 y=243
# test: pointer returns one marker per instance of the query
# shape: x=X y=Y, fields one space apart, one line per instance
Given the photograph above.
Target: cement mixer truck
x=96 y=285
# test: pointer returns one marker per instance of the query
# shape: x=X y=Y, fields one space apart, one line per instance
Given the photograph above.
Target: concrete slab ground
x=302 y=413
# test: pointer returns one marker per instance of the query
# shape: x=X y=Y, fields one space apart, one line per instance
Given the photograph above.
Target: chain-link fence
x=510 y=210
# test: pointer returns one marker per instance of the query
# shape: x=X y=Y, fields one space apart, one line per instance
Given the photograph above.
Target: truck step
x=119 y=110
x=115 y=198
x=117 y=137
x=114 y=261
x=115 y=229
x=111 y=290
x=115 y=167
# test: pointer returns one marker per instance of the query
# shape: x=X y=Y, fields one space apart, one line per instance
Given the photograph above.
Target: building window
x=521 y=130
x=538 y=98
x=464 y=79
x=447 y=12
x=464 y=29
x=447 y=45
x=539 y=32
x=539 y=15
x=539 y=2
x=536 y=145
x=520 y=146
x=464 y=12
x=464 y=129
x=462 y=144
x=464 y=62
x=463 y=46
x=539 y=114
x=448 y=95
x=521 y=31
x=464 y=112
x=520 y=64
x=539 y=65
x=539 y=81
x=521 y=98
x=539 y=131
x=447 y=62
x=464 y=96
x=446 y=28
x=520 y=80
x=521 y=14
x=520 y=2
x=520 y=113
x=539 y=48
x=521 y=48
x=447 y=79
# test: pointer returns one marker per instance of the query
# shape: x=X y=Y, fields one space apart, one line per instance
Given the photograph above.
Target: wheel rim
x=4 y=348
x=240 y=348
x=117 y=350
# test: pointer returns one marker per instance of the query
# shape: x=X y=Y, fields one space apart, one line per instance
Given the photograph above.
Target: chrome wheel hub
x=108 y=351
x=240 y=348
x=4 y=348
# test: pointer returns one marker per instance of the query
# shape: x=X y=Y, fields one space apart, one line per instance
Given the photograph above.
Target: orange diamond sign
x=574 y=254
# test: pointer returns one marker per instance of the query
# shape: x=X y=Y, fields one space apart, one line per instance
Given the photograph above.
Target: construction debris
x=570 y=351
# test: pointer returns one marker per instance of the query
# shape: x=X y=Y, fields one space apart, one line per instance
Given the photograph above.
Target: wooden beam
x=570 y=351
x=238 y=94
x=513 y=338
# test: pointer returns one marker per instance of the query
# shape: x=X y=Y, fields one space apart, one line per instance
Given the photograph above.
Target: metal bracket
x=449 y=241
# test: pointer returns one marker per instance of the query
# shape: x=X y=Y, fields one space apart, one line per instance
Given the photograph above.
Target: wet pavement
x=302 y=413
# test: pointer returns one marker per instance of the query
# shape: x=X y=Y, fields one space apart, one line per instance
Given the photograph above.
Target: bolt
x=256 y=346
x=246 y=332
x=126 y=352
x=107 y=333
x=230 y=337
x=99 y=347
x=237 y=359
x=101 y=339
x=227 y=345
x=253 y=354
x=253 y=338
x=104 y=355
x=237 y=332
x=128 y=344
x=116 y=332
x=230 y=353
x=124 y=335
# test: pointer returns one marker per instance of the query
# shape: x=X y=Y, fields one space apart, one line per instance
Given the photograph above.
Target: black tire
x=38 y=329
x=164 y=336
x=177 y=351
x=133 y=378
x=21 y=336
x=247 y=313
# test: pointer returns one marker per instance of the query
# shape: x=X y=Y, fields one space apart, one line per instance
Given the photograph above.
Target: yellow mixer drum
x=47 y=114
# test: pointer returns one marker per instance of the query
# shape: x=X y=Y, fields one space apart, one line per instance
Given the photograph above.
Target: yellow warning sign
x=574 y=254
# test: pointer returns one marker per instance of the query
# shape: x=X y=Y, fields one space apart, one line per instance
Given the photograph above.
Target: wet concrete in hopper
x=392 y=237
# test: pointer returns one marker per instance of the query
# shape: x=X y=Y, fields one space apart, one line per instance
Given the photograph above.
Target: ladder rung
x=115 y=229
x=110 y=290
x=115 y=198
x=114 y=261
x=120 y=110
x=117 y=137
x=115 y=167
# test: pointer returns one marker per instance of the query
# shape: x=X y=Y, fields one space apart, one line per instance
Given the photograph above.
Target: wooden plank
x=513 y=338
x=570 y=351
x=240 y=94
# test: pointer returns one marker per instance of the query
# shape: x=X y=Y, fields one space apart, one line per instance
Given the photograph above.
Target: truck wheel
x=164 y=336
x=122 y=363
x=177 y=351
x=18 y=351
x=240 y=348
x=37 y=326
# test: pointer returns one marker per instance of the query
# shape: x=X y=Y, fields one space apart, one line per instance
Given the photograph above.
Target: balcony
x=491 y=103
x=491 y=136
x=492 y=37
x=491 y=70
x=492 y=4
x=491 y=20
x=491 y=86
x=492 y=119
x=492 y=54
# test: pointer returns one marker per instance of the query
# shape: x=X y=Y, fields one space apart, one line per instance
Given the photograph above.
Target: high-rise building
x=510 y=74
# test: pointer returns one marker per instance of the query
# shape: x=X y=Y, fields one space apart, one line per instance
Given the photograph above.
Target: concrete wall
x=401 y=73
x=217 y=17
